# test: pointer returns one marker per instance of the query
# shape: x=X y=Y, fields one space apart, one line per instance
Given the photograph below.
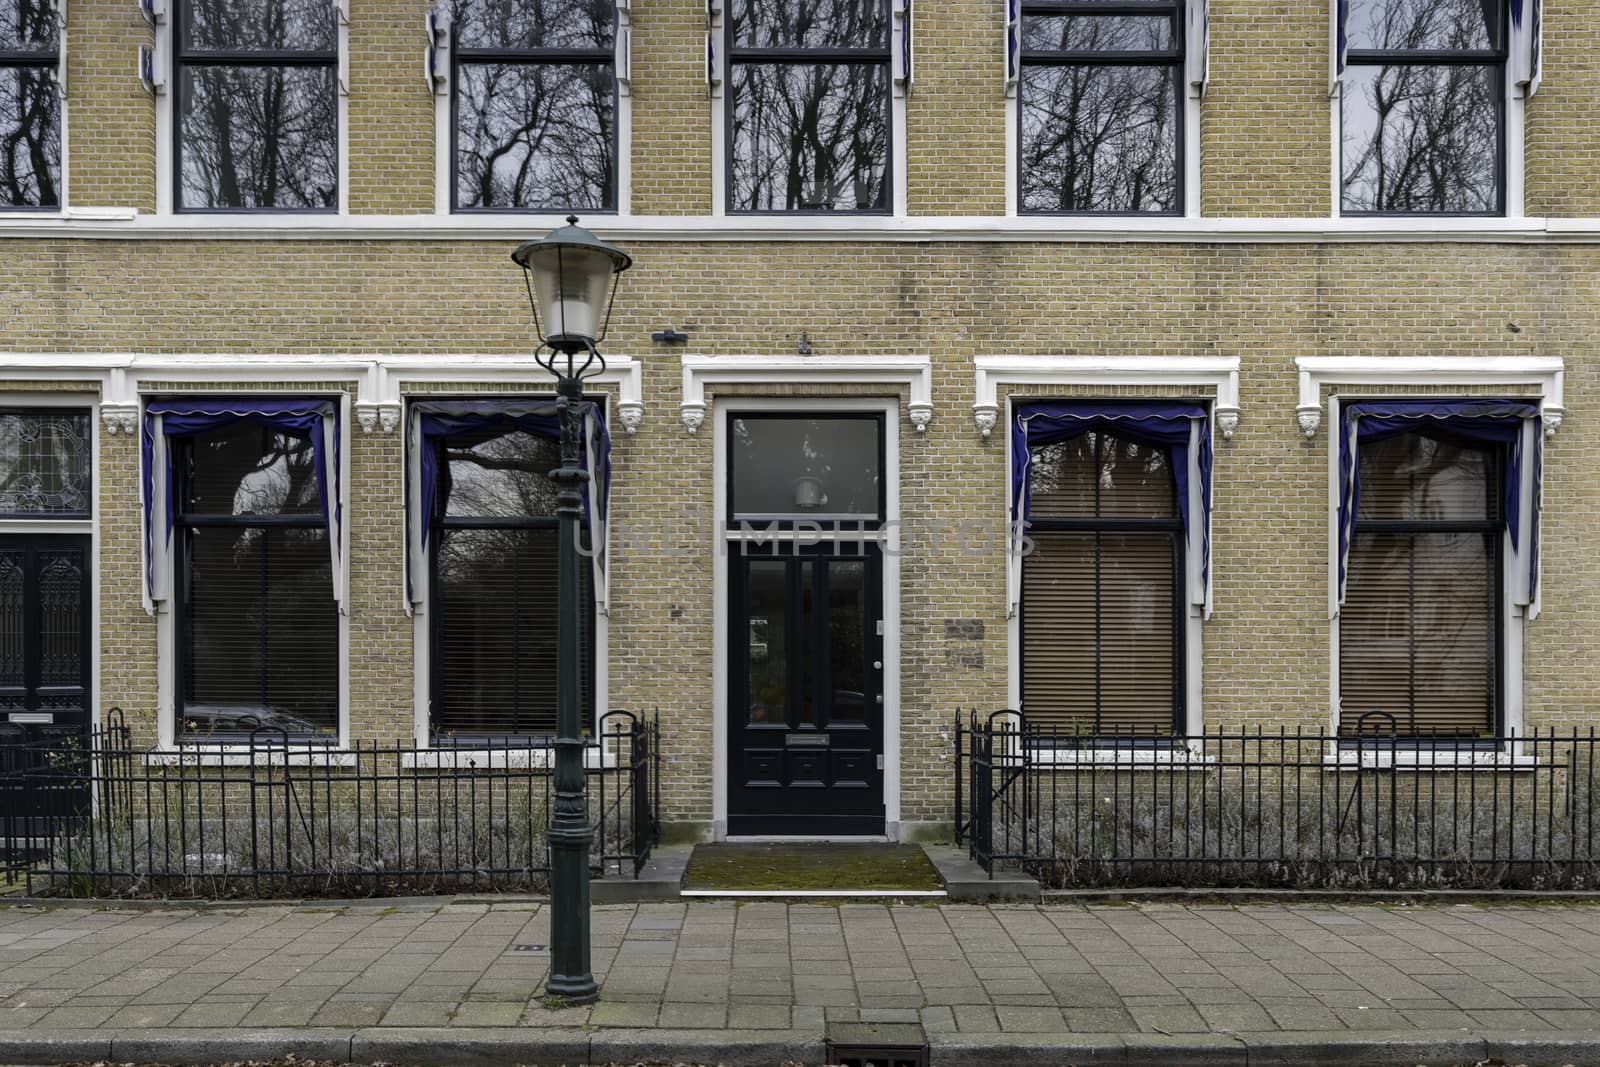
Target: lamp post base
x=573 y=989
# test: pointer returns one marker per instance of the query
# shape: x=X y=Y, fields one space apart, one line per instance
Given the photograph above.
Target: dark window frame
x=438 y=522
x=1497 y=58
x=797 y=56
x=830 y=524
x=184 y=520
x=1495 y=528
x=536 y=57
x=184 y=57
x=1180 y=646
x=50 y=61
x=89 y=488
x=1172 y=58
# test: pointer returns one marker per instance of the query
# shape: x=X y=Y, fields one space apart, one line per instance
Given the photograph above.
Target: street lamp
x=572 y=280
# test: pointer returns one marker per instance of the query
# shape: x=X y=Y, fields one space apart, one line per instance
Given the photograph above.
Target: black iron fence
x=276 y=817
x=1259 y=808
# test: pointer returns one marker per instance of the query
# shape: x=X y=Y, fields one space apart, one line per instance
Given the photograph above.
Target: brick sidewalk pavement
x=1030 y=974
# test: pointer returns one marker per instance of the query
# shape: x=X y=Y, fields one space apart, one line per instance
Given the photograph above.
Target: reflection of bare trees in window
x=810 y=137
x=1099 y=101
x=535 y=136
x=535 y=104
x=1099 y=138
x=809 y=107
x=30 y=110
x=256 y=131
x=1421 y=135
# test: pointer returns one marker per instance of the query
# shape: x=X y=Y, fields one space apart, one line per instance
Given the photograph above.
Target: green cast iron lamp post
x=572 y=279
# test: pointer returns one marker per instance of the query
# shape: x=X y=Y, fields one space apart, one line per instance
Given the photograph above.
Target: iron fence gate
x=1277 y=808
x=282 y=817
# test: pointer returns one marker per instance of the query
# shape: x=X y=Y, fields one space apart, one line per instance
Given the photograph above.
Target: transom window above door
x=809 y=105
x=46 y=463
x=534 y=105
x=796 y=467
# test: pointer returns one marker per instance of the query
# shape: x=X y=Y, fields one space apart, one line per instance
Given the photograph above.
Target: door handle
x=877 y=664
x=879 y=698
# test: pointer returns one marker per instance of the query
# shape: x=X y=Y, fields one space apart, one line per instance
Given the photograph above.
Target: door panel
x=805 y=704
x=44 y=671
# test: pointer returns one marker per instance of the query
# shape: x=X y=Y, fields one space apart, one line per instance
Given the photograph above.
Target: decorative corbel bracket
x=913 y=373
x=1217 y=373
x=378 y=418
x=1543 y=377
x=120 y=419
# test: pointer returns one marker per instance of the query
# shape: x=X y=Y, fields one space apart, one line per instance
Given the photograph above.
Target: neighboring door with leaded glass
x=46 y=567
x=804 y=533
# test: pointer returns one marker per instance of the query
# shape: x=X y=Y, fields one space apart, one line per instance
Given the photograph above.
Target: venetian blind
x=496 y=600
x=1098 y=652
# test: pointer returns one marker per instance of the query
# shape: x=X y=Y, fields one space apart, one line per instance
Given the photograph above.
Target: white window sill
x=538 y=756
x=264 y=755
x=1123 y=759
x=128 y=222
x=1430 y=759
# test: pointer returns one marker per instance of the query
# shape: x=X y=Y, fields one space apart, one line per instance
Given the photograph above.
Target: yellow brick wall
x=391 y=109
x=1266 y=648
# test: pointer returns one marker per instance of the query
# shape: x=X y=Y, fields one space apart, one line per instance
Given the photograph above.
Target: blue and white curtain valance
x=1512 y=423
x=1181 y=428
x=312 y=418
x=431 y=420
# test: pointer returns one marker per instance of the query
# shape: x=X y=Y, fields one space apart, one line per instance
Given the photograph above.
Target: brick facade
x=1265 y=146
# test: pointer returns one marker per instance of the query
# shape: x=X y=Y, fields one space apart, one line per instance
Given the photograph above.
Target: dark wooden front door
x=806 y=681
x=44 y=674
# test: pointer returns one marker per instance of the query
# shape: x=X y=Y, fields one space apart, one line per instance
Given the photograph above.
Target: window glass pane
x=246 y=469
x=261 y=630
x=768 y=696
x=28 y=26
x=847 y=639
x=1106 y=33
x=810 y=24
x=1099 y=138
x=533 y=23
x=1098 y=616
x=810 y=137
x=45 y=463
x=1417 y=634
x=259 y=25
x=503 y=475
x=1423 y=25
x=496 y=631
x=1415 y=477
x=535 y=136
x=799 y=467
x=1421 y=138
x=259 y=137
x=1098 y=475
x=30 y=138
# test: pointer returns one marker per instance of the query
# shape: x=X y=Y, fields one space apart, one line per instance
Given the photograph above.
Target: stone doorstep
x=965 y=881
x=660 y=881
x=508 y=1046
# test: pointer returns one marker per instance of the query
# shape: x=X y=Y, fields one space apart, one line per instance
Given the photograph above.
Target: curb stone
x=512 y=1046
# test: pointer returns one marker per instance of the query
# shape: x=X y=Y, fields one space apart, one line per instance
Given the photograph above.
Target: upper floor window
x=257 y=105
x=30 y=108
x=809 y=105
x=1419 y=633
x=535 y=105
x=1423 y=107
x=1100 y=107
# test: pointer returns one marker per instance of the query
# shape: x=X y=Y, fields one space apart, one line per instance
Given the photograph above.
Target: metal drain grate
x=857 y=1055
